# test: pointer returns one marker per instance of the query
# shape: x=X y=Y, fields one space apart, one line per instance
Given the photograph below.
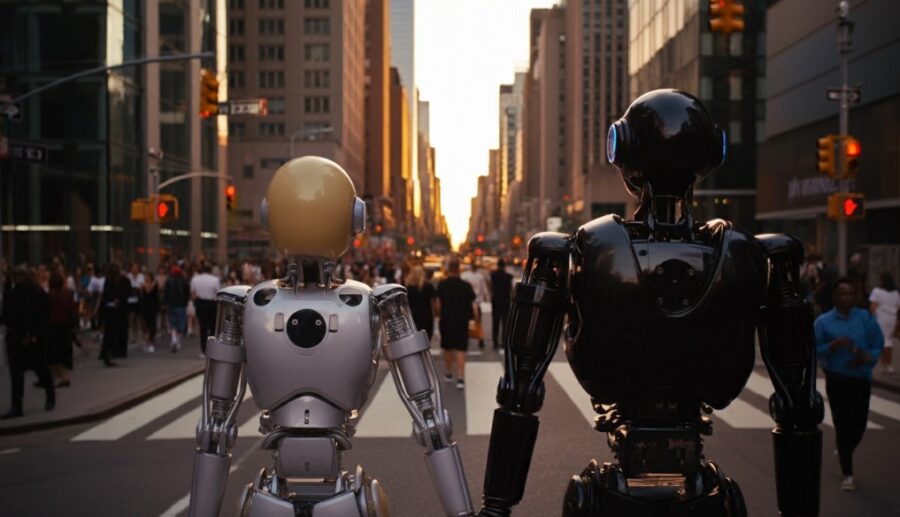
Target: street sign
x=854 y=95
x=254 y=107
x=28 y=152
x=11 y=111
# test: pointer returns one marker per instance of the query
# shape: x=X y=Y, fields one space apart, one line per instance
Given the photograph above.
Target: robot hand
x=223 y=391
x=417 y=383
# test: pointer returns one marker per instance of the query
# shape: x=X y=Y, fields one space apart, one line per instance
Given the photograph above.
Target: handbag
x=475 y=330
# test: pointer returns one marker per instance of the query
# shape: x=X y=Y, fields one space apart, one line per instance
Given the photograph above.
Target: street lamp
x=309 y=134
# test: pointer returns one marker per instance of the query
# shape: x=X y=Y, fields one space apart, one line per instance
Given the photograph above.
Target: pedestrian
x=135 y=319
x=885 y=305
x=114 y=315
x=456 y=306
x=421 y=296
x=63 y=318
x=501 y=291
x=176 y=294
x=150 y=310
x=848 y=343
x=479 y=284
x=191 y=310
x=204 y=288
x=26 y=313
x=95 y=289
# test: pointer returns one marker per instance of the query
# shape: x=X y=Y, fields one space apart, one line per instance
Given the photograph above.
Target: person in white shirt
x=884 y=302
x=479 y=284
x=203 y=290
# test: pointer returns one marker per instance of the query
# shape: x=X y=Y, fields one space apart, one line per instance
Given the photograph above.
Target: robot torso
x=312 y=342
x=674 y=314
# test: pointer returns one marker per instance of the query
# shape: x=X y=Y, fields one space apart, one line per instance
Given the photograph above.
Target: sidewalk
x=98 y=392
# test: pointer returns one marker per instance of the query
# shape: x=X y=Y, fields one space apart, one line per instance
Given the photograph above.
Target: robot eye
x=611 y=143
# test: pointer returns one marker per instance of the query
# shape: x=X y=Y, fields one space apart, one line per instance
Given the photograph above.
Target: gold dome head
x=311 y=208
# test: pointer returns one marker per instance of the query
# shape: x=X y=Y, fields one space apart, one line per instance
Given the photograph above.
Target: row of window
x=275 y=26
x=316 y=26
x=271 y=26
x=279 y=4
x=316 y=52
x=266 y=79
x=238 y=131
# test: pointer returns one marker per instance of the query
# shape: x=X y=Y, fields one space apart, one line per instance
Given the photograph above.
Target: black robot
x=661 y=312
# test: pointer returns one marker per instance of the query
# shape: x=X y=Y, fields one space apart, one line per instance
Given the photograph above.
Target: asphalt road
x=139 y=463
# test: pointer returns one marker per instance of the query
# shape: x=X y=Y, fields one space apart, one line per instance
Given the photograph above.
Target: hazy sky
x=464 y=50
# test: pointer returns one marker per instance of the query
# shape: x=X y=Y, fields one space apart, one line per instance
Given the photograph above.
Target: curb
x=106 y=412
x=893 y=388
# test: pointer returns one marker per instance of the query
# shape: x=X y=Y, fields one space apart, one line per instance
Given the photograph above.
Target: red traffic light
x=853 y=148
x=162 y=210
x=850 y=207
x=480 y=237
x=410 y=240
x=230 y=191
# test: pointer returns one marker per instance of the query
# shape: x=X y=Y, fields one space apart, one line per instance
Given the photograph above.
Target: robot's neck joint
x=309 y=272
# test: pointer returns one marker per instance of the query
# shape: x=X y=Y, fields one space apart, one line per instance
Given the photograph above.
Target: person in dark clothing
x=421 y=295
x=848 y=344
x=150 y=308
x=501 y=290
x=63 y=317
x=176 y=293
x=114 y=315
x=456 y=305
x=26 y=313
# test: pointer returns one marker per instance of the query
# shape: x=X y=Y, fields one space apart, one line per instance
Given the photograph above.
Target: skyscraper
x=403 y=58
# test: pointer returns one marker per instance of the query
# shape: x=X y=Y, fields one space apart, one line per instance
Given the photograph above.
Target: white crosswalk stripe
x=387 y=417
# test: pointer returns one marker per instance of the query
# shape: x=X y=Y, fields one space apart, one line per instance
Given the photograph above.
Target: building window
x=236 y=79
x=271 y=52
x=235 y=4
x=316 y=26
x=315 y=4
x=235 y=27
x=736 y=45
x=248 y=171
x=317 y=79
x=271 y=4
x=275 y=105
x=271 y=79
x=706 y=44
x=271 y=129
x=706 y=89
x=271 y=26
x=271 y=163
x=734 y=132
x=236 y=130
x=760 y=131
x=316 y=52
x=316 y=105
x=235 y=53
x=734 y=85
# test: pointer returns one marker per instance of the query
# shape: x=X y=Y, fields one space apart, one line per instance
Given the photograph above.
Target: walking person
x=135 y=320
x=176 y=293
x=150 y=310
x=456 y=306
x=848 y=344
x=884 y=302
x=204 y=287
x=479 y=285
x=63 y=318
x=114 y=315
x=26 y=313
x=501 y=291
x=421 y=296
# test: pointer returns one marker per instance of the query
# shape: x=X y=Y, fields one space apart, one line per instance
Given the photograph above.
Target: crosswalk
x=174 y=414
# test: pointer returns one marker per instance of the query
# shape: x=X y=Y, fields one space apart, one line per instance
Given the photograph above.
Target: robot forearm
x=536 y=317
x=223 y=391
x=788 y=348
x=413 y=371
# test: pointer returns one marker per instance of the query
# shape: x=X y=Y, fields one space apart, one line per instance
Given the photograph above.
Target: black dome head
x=666 y=139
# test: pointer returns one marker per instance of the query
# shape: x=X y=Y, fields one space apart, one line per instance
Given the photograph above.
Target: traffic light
x=166 y=208
x=480 y=238
x=726 y=16
x=230 y=197
x=846 y=206
x=825 y=155
x=209 y=94
x=141 y=210
x=378 y=229
x=850 y=151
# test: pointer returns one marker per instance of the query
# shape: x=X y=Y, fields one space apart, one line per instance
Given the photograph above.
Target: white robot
x=308 y=344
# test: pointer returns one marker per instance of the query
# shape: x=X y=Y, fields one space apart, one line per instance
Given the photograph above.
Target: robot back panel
x=314 y=341
x=656 y=314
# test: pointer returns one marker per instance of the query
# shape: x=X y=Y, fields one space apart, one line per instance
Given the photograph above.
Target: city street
x=139 y=461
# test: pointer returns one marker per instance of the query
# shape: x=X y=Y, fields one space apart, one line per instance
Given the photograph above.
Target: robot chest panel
x=313 y=341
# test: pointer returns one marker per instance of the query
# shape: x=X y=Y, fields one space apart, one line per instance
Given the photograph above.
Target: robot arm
x=787 y=346
x=223 y=391
x=536 y=318
x=413 y=371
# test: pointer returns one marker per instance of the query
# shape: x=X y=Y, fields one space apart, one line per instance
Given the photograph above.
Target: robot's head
x=666 y=139
x=311 y=208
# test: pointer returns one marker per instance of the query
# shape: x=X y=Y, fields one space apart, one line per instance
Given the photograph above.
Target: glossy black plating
x=665 y=314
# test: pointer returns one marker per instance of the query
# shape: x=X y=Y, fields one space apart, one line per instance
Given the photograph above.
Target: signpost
x=28 y=152
x=253 y=107
x=851 y=95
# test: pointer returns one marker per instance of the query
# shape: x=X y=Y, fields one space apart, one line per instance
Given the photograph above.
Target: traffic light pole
x=845 y=28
